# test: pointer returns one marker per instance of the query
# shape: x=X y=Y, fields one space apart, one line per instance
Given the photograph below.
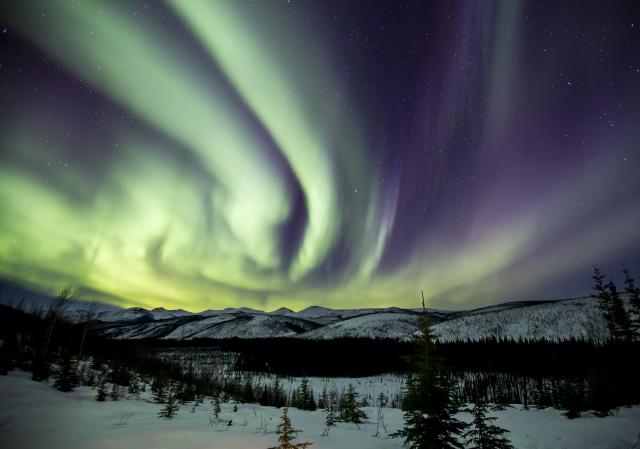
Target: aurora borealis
x=201 y=155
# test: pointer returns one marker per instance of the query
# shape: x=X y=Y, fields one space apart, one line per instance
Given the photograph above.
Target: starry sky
x=339 y=153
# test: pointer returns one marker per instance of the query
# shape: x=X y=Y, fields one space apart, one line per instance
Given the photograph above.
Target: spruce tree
x=170 y=407
x=483 y=434
x=134 y=386
x=248 y=396
x=115 y=392
x=331 y=418
x=349 y=410
x=159 y=389
x=265 y=396
x=429 y=405
x=287 y=434
x=216 y=406
x=304 y=396
x=622 y=325
x=324 y=397
x=601 y=293
x=279 y=399
x=102 y=392
x=67 y=377
x=633 y=293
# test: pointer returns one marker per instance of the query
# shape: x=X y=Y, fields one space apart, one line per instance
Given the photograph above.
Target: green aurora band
x=187 y=208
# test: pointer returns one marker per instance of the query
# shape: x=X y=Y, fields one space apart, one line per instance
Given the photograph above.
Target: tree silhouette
x=429 y=403
x=483 y=434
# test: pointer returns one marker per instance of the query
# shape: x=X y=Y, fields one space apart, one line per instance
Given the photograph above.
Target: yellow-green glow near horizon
x=226 y=163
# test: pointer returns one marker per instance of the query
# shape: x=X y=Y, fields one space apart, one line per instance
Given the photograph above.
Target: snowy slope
x=372 y=325
x=553 y=321
x=221 y=325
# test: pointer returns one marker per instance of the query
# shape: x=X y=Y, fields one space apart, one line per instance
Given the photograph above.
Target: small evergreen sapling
x=171 y=407
x=159 y=389
x=134 y=388
x=216 y=407
x=102 y=392
x=483 y=434
x=331 y=418
x=115 y=392
x=288 y=434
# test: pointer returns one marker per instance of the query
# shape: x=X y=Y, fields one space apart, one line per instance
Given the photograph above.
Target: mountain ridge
x=549 y=320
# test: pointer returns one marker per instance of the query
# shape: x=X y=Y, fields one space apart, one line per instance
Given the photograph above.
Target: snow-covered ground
x=34 y=415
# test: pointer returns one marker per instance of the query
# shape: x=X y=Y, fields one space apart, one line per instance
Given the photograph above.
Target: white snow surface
x=33 y=415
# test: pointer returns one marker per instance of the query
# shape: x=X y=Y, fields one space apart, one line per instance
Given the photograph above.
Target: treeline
x=365 y=357
x=341 y=357
x=574 y=375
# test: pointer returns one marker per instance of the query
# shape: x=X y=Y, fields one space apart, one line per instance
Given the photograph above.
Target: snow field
x=34 y=415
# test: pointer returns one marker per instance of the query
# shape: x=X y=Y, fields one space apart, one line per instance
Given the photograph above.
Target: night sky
x=203 y=155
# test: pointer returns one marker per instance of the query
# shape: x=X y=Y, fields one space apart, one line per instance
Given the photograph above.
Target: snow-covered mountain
x=580 y=319
x=527 y=320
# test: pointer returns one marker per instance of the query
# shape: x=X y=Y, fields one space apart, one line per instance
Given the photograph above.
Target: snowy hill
x=527 y=320
x=396 y=325
x=549 y=320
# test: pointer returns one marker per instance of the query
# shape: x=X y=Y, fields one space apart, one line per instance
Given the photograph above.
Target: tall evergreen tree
x=621 y=322
x=288 y=434
x=429 y=404
x=265 y=396
x=349 y=410
x=279 y=398
x=302 y=397
x=601 y=293
x=324 y=398
x=633 y=293
x=483 y=434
